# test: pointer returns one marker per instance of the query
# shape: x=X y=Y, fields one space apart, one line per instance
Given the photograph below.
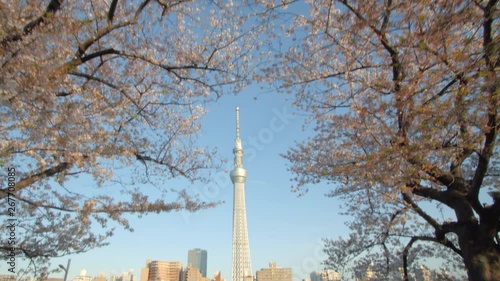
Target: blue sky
x=282 y=227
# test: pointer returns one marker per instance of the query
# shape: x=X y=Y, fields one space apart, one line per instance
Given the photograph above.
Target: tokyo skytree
x=242 y=269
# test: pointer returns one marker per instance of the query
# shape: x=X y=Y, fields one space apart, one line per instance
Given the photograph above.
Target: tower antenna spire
x=238 y=148
x=237 y=122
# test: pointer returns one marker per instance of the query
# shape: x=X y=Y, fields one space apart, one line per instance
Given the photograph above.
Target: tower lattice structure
x=242 y=269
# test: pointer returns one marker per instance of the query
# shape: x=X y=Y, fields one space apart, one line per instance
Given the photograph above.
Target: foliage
x=88 y=87
x=404 y=100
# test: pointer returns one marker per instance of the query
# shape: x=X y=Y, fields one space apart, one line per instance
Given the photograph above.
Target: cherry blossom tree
x=87 y=87
x=403 y=98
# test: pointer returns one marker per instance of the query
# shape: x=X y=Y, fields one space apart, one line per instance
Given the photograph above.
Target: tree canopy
x=403 y=96
x=87 y=87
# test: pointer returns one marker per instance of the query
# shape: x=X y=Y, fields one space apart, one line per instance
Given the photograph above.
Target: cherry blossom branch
x=493 y=126
x=407 y=249
x=336 y=74
x=111 y=11
x=385 y=235
x=82 y=48
x=122 y=207
x=169 y=68
x=23 y=183
x=174 y=169
x=113 y=86
x=440 y=230
x=397 y=70
x=53 y=7
x=434 y=172
x=488 y=42
x=441 y=92
x=387 y=14
x=422 y=238
x=409 y=200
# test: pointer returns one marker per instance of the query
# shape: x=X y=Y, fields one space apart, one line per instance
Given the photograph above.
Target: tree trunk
x=484 y=266
x=480 y=252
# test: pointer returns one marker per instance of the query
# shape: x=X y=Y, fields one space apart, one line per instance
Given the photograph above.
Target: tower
x=242 y=268
x=197 y=258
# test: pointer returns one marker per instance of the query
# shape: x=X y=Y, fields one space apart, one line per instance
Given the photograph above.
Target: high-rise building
x=241 y=269
x=274 y=273
x=162 y=271
x=197 y=258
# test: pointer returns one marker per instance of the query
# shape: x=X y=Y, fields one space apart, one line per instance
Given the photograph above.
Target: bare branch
x=408 y=199
x=410 y=244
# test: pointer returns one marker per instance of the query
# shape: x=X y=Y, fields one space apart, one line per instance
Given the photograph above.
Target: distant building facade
x=197 y=258
x=274 y=273
x=83 y=276
x=191 y=274
x=126 y=276
x=8 y=277
x=55 y=279
x=327 y=275
x=101 y=277
x=162 y=271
